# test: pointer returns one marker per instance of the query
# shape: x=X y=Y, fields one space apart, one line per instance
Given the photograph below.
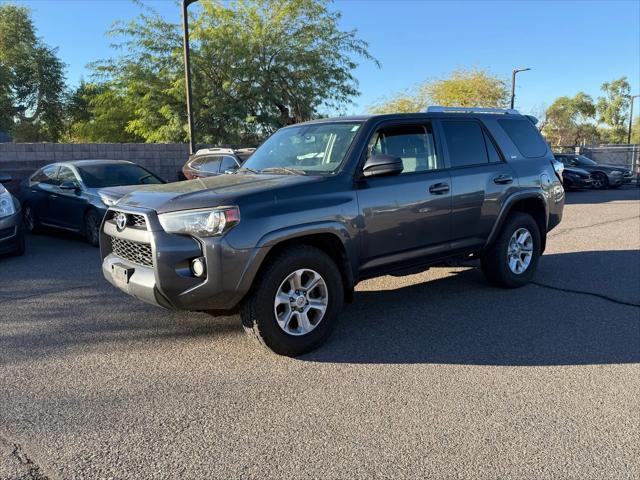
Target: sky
x=570 y=46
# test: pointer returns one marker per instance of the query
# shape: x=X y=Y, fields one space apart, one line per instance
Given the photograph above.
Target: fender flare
x=271 y=239
x=507 y=206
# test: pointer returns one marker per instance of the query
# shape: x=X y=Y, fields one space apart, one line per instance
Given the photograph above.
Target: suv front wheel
x=293 y=307
x=511 y=261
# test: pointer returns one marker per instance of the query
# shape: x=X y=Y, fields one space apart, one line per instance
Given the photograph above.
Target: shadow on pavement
x=462 y=320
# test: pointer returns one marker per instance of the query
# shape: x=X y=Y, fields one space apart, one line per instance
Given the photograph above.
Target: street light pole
x=633 y=97
x=513 y=84
x=187 y=72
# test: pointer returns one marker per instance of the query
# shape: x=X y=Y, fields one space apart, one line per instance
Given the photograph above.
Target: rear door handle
x=503 y=179
x=439 y=188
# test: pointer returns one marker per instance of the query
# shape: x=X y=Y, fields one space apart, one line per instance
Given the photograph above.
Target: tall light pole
x=513 y=84
x=187 y=72
x=633 y=97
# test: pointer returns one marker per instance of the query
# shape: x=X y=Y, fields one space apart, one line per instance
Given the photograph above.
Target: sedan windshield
x=116 y=175
x=306 y=149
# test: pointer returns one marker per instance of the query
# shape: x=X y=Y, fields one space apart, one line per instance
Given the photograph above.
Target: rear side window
x=228 y=163
x=466 y=143
x=209 y=164
x=525 y=136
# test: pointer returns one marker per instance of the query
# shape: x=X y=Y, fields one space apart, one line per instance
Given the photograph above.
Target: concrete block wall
x=22 y=159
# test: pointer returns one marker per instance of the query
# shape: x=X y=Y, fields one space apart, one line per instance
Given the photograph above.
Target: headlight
x=108 y=201
x=6 y=203
x=616 y=172
x=201 y=223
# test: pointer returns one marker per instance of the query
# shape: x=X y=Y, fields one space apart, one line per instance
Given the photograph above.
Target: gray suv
x=325 y=204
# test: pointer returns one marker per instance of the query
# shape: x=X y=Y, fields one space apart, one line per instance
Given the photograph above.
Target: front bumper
x=578 y=182
x=11 y=233
x=158 y=265
x=615 y=179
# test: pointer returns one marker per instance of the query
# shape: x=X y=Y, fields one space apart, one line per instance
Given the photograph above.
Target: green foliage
x=613 y=109
x=569 y=120
x=635 y=131
x=91 y=116
x=31 y=80
x=256 y=65
x=464 y=88
x=580 y=120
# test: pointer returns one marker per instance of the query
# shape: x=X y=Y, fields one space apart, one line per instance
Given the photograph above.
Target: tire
x=92 y=228
x=30 y=220
x=600 y=181
x=495 y=262
x=258 y=311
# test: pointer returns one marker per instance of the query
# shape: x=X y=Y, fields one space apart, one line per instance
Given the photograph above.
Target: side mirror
x=69 y=186
x=382 y=164
x=5 y=178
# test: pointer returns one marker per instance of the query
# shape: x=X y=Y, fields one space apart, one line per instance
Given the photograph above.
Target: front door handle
x=439 y=188
x=503 y=179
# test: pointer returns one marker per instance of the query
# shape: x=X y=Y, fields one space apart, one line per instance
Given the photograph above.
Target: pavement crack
x=593 y=294
x=33 y=471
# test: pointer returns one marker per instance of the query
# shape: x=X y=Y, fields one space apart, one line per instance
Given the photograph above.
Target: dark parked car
x=67 y=195
x=574 y=178
x=11 y=232
x=208 y=162
x=325 y=204
x=604 y=176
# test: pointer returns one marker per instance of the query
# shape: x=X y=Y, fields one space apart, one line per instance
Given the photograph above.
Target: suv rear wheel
x=511 y=261
x=293 y=306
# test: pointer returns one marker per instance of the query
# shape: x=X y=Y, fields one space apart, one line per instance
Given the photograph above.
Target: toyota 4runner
x=325 y=204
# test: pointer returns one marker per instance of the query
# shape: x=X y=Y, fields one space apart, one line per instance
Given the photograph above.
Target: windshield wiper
x=289 y=170
x=246 y=169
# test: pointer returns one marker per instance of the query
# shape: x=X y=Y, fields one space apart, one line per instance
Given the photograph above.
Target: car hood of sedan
x=201 y=192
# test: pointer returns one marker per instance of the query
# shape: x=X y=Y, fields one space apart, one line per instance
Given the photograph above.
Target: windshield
x=116 y=175
x=307 y=149
x=582 y=160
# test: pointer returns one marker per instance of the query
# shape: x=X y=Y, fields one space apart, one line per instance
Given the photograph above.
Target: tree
x=91 y=116
x=569 y=120
x=464 y=88
x=613 y=109
x=635 y=131
x=257 y=65
x=31 y=80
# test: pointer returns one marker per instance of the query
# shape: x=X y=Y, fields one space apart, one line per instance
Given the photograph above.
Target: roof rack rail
x=439 y=109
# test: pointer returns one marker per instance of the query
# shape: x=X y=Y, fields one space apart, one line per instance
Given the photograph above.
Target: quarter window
x=525 y=136
x=414 y=144
x=46 y=175
x=465 y=142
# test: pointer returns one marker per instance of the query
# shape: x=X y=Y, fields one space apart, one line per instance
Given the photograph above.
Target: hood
x=203 y=192
x=577 y=171
x=603 y=167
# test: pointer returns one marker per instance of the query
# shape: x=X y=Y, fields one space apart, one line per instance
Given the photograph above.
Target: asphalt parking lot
x=436 y=375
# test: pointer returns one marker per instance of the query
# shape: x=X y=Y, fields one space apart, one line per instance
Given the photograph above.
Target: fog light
x=198 y=267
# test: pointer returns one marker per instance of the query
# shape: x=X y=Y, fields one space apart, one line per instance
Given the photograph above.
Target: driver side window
x=65 y=174
x=414 y=144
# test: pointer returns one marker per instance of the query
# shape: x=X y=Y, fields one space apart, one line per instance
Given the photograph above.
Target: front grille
x=138 y=221
x=134 y=220
x=135 y=252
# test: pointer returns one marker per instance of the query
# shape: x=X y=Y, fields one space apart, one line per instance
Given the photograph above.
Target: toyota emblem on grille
x=121 y=221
